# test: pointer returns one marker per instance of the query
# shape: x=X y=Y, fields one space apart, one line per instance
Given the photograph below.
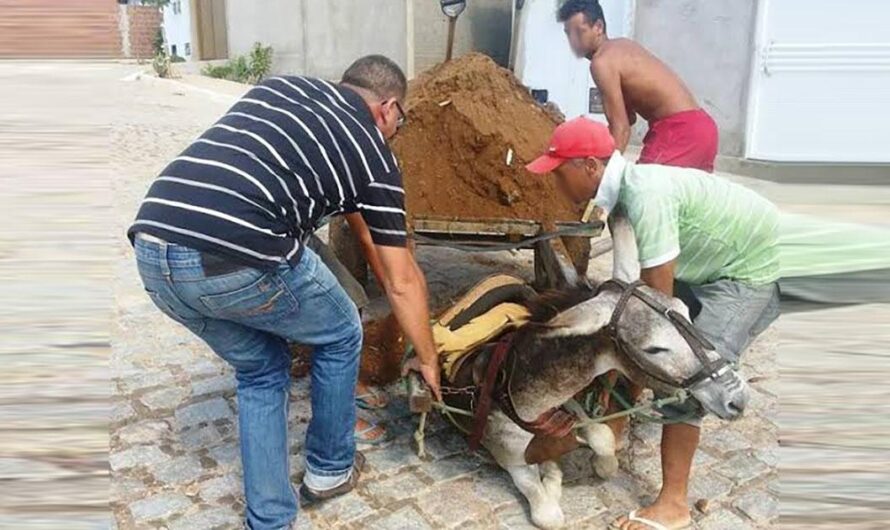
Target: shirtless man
x=633 y=81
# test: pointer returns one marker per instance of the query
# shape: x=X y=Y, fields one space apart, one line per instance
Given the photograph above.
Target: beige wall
x=318 y=37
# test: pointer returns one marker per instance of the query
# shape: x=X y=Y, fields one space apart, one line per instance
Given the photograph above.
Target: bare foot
x=368 y=433
x=672 y=515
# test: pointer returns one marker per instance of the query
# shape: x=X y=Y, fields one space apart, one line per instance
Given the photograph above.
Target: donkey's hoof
x=605 y=467
x=548 y=517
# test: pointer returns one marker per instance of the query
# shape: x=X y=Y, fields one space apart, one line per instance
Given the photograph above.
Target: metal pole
x=452 y=22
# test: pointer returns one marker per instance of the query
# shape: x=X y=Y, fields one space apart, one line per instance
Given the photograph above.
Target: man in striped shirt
x=716 y=241
x=221 y=248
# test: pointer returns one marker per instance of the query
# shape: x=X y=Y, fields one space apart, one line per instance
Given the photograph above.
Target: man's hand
x=430 y=374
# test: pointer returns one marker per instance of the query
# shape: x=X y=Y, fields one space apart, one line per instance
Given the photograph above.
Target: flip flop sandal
x=309 y=496
x=360 y=435
x=654 y=525
x=373 y=399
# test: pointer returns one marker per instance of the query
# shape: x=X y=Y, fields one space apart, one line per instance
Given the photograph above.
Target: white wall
x=178 y=29
x=710 y=44
x=821 y=85
x=544 y=59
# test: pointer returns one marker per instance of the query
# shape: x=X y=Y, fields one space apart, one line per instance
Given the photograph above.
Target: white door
x=820 y=89
x=543 y=59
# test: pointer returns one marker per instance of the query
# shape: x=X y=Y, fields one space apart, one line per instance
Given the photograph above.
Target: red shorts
x=685 y=139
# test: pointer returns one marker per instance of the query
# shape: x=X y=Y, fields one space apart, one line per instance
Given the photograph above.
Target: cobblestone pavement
x=174 y=444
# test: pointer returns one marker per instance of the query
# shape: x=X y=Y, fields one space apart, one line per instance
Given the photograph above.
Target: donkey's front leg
x=551 y=478
x=507 y=442
x=543 y=504
x=601 y=440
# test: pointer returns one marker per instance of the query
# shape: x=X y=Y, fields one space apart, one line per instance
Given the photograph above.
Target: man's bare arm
x=406 y=290
x=660 y=278
x=608 y=81
x=363 y=235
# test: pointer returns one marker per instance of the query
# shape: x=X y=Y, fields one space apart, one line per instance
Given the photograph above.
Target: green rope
x=654 y=405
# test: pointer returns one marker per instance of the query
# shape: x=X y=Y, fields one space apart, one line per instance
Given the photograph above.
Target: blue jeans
x=247 y=317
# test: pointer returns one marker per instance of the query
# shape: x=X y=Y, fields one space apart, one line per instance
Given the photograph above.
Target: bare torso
x=648 y=87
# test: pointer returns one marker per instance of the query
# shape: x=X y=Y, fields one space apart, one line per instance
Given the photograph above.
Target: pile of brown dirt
x=464 y=118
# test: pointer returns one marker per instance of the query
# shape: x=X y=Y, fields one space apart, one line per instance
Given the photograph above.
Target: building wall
x=318 y=38
x=59 y=28
x=710 y=44
x=178 y=29
x=276 y=23
x=143 y=24
x=483 y=26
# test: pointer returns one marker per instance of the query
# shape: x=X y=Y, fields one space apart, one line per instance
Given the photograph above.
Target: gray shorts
x=857 y=287
x=352 y=286
x=730 y=314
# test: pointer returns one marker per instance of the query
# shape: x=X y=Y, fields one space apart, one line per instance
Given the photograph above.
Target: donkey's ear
x=584 y=319
x=625 y=258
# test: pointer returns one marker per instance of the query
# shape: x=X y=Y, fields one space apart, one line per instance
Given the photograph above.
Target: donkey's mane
x=548 y=304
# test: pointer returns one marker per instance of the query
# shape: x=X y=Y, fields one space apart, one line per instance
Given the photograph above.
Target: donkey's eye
x=655 y=350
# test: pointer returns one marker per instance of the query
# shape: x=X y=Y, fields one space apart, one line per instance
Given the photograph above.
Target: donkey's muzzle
x=725 y=396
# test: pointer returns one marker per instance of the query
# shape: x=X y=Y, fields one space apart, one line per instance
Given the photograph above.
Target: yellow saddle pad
x=454 y=345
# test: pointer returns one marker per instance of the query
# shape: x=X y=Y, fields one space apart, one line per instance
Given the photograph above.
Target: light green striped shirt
x=713 y=228
x=811 y=246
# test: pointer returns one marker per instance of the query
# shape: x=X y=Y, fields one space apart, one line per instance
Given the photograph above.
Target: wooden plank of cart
x=560 y=255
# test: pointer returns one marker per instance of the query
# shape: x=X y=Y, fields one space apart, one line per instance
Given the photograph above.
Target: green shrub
x=260 y=63
x=161 y=65
x=157 y=44
x=222 y=71
x=251 y=68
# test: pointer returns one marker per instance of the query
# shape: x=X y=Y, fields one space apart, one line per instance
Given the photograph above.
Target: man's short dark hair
x=591 y=9
x=378 y=74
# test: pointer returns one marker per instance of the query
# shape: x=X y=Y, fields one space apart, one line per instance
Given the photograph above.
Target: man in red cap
x=712 y=240
x=633 y=81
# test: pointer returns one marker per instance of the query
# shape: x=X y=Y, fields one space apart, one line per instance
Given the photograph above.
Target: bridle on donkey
x=693 y=337
x=558 y=422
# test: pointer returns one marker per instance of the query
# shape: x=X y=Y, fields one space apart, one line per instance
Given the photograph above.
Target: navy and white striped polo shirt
x=291 y=153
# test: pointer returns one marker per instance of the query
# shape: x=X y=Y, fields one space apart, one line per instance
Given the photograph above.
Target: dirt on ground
x=472 y=127
x=383 y=348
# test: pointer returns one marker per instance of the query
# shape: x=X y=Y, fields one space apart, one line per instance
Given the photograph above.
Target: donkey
x=556 y=357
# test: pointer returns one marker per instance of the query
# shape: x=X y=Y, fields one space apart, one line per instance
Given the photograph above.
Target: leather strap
x=556 y=422
x=483 y=403
x=693 y=337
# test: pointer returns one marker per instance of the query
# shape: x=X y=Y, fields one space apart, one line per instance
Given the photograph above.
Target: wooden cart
x=558 y=260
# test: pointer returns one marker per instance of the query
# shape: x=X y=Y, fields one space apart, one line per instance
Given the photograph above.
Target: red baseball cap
x=578 y=138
